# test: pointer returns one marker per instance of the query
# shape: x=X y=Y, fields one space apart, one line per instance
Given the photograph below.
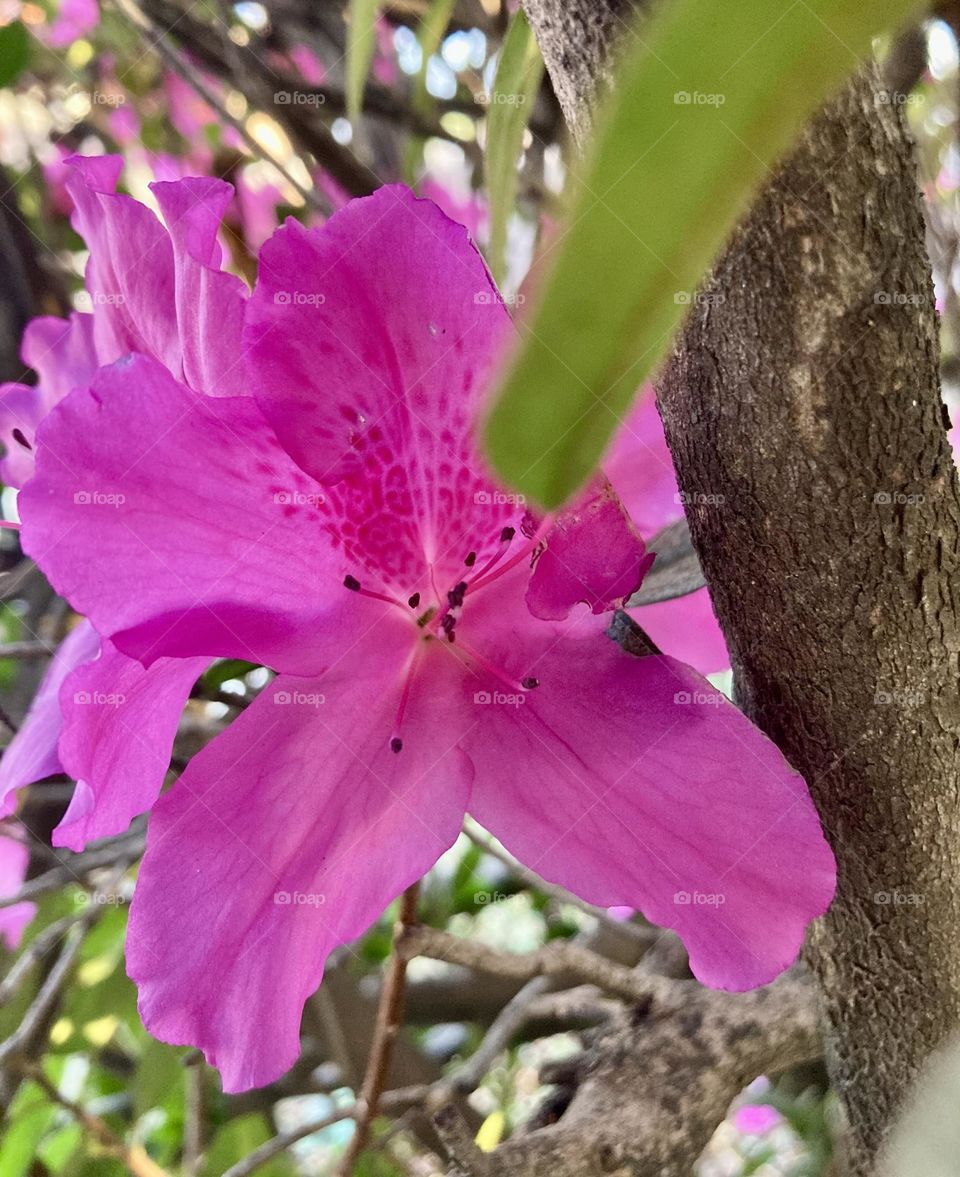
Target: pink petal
x=640 y=468
x=756 y=1119
x=21 y=411
x=209 y=302
x=687 y=629
x=62 y=353
x=74 y=19
x=32 y=753
x=130 y=274
x=593 y=556
x=372 y=340
x=118 y=730
x=14 y=859
x=311 y=68
x=286 y=836
x=208 y=539
x=631 y=781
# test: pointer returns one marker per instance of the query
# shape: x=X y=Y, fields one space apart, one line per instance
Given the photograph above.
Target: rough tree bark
x=808 y=403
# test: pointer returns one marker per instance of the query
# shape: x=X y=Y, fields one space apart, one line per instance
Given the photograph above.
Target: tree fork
x=807 y=402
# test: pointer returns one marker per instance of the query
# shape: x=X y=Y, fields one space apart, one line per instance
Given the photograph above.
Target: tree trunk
x=806 y=404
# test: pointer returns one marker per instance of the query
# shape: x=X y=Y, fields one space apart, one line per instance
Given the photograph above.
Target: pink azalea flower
x=14 y=858
x=341 y=528
x=55 y=173
x=470 y=212
x=756 y=1119
x=257 y=206
x=385 y=57
x=99 y=716
x=74 y=19
x=308 y=65
x=641 y=470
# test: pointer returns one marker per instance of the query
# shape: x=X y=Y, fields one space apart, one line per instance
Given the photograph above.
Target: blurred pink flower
x=73 y=19
x=756 y=1119
x=14 y=858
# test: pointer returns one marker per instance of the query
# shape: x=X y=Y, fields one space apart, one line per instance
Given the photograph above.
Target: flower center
x=439 y=621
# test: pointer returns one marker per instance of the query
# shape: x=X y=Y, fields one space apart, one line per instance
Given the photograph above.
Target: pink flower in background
x=257 y=205
x=14 y=858
x=431 y=649
x=308 y=65
x=55 y=174
x=641 y=469
x=74 y=19
x=756 y=1119
x=384 y=67
x=471 y=211
x=100 y=716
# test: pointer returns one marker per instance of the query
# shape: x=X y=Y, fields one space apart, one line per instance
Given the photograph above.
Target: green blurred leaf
x=159 y=1078
x=14 y=52
x=220 y=672
x=708 y=99
x=29 y=1119
x=236 y=1140
x=361 y=42
x=510 y=105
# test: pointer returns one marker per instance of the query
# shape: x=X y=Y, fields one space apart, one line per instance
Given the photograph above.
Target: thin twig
x=398 y=1100
x=46 y=995
x=140 y=20
x=508 y=1022
x=389 y=1017
x=560 y=894
x=23 y=651
x=33 y=953
x=193 y=1119
x=560 y=958
x=73 y=869
x=135 y=1159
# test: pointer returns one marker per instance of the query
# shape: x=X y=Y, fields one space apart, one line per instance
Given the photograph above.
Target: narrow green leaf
x=361 y=42
x=510 y=106
x=706 y=102
x=14 y=52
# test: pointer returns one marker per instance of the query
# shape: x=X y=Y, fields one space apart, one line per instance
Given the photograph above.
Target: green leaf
x=225 y=669
x=29 y=1119
x=361 y=42
x=705 y=103
x=159 y=1078
x=510 y=105
x=14 y=52
x=236 y=1140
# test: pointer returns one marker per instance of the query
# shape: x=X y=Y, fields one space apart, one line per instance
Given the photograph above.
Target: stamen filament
x=396 y=742
x=516 y=685
x=529 y=547
x=351 y=583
